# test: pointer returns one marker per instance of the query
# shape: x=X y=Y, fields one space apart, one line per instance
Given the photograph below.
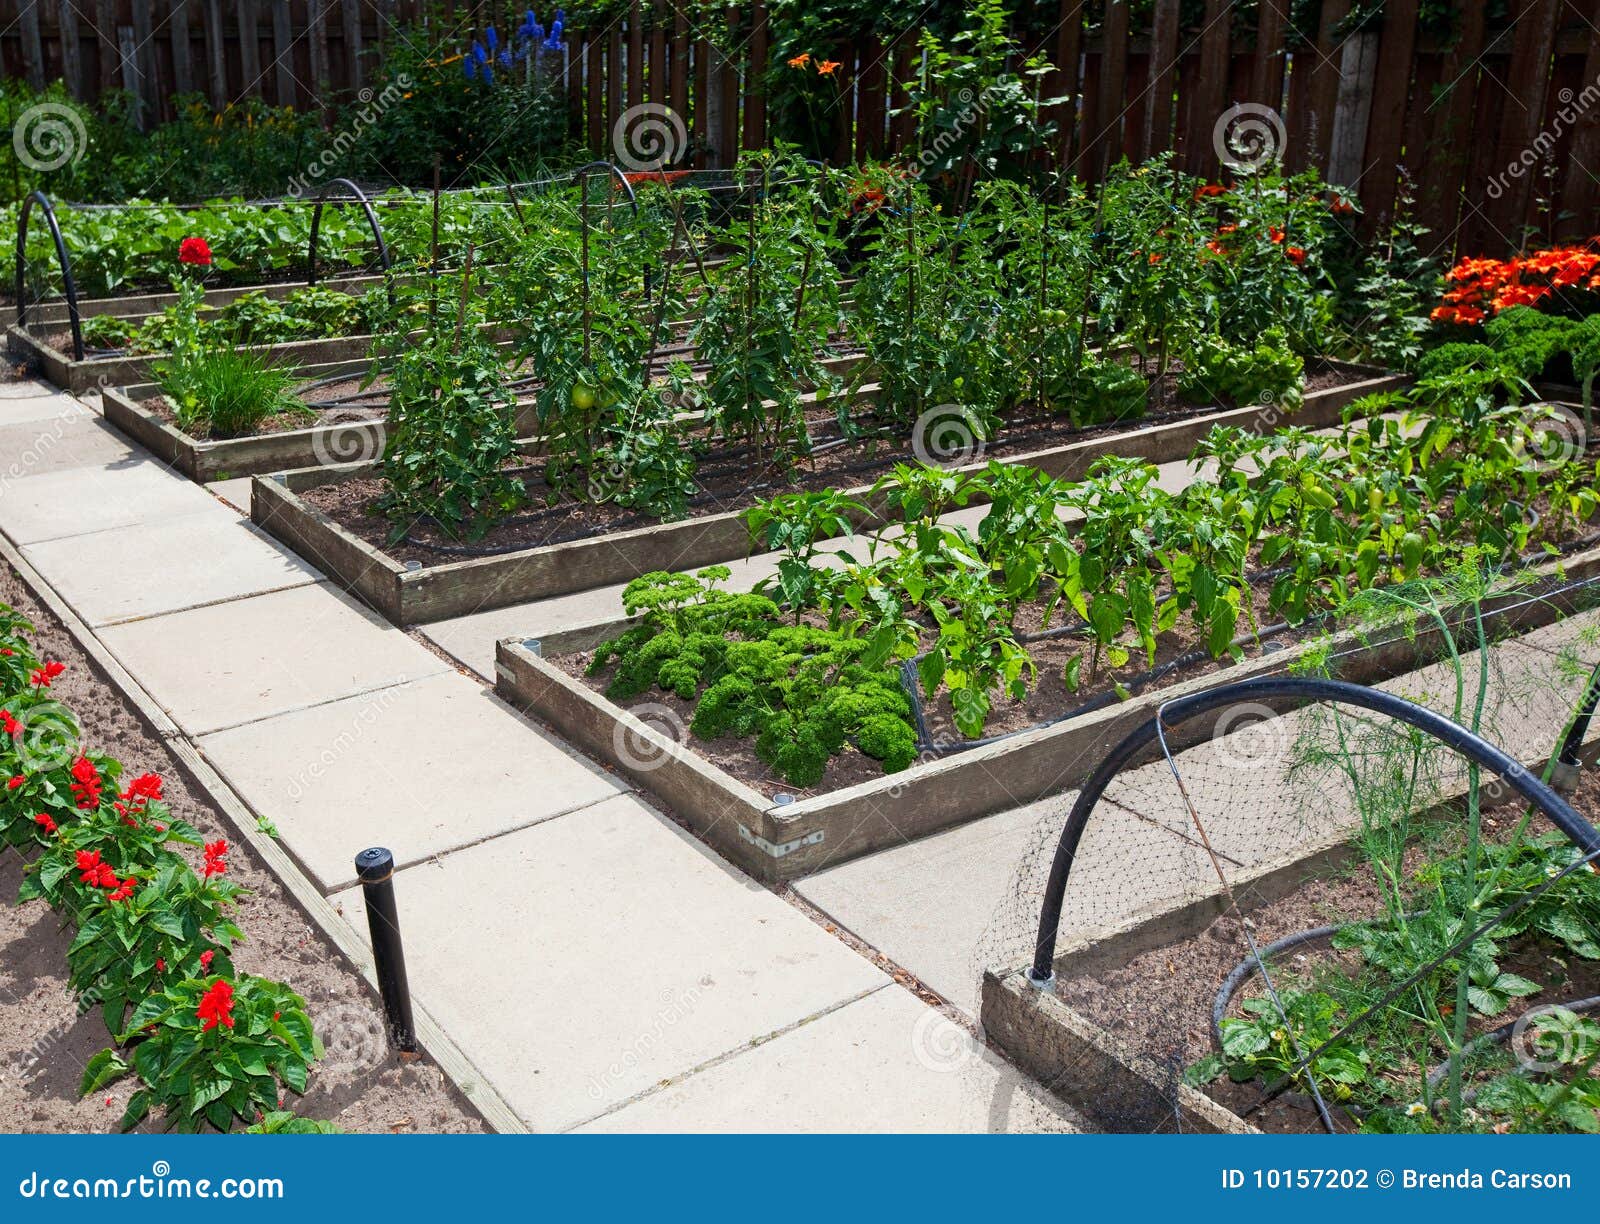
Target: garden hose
x=1500 y=1035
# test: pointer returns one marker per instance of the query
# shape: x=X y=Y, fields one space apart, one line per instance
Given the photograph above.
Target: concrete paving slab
x=150 y=568
x=27 y=402
x=76 y=502
x=248 y=659
x=583 y=960
x=62 y=441
x=885 y=1064
x=235 y=493
x=948 y=906
x=423 y=768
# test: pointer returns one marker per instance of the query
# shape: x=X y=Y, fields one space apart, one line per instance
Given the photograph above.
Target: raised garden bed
x=778 y=838
x=1107 y=1032
x=410 y=591
x=343 y=435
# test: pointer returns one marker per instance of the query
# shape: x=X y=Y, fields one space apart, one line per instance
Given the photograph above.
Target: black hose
x=1579 y=731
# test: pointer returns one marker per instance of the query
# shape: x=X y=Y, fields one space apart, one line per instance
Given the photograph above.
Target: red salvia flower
x=125 y=890
x=205 y=958
x=16 y=781
x=88 y=866
x=43 y=676
x=86 y=784
x=161 y=965
x=195 y=251
x=216 y=1006
x=214 y=860
x=8 y=724
x=42 y=819
x=108 y=877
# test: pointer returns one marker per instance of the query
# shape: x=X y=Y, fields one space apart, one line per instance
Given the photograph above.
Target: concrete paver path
x=594 y=963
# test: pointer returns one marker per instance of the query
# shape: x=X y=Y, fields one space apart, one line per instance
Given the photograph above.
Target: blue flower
x=505 y=60
x=479 y=54
x=471 y=65
x=493 y=39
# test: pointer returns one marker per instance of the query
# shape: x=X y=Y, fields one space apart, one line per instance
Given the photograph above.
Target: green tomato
x=584 y=397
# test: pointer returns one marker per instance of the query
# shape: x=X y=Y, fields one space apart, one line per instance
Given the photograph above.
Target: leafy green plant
x=804 y=693
x=1266 y=372
x=451 y=426
x=227 y=392
x=211 y=1051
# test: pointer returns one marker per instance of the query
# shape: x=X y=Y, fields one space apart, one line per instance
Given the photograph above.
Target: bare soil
x=45 y=1043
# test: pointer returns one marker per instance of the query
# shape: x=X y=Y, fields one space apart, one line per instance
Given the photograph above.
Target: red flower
x=7 y=651
x=1274 y=233
x=195 y=251
x=145 y=786
x=1340 y=207
x=1210 y=189
x=86 y=784
x=125 y=891
x=89 y=866
x=216 y=1007
x=1296 y=254
x=43 y=676
x=16 y=781
x=205 y=958
x=108 y=877
x=161 y=965
x=44 y=822
x=10 y=725
x=214 y=860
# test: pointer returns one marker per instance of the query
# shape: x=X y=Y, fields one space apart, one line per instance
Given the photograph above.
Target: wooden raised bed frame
x=781 y=841
x=438 y=592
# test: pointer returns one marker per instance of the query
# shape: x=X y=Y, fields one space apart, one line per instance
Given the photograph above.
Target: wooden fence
x=1495 y=128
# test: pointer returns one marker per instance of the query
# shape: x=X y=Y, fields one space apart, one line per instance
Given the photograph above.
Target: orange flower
x=801 y=60
x=1296 y=254
x=1155 y=257
x=827 y=67
x=1274 y=233
x=1210 y=189
x=1340 y=207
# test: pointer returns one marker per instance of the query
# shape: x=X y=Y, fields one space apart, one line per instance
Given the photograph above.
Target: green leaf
x=104 y=1068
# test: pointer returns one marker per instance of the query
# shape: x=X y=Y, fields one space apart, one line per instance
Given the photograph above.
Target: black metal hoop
x=39 y=198
x=360 y=197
